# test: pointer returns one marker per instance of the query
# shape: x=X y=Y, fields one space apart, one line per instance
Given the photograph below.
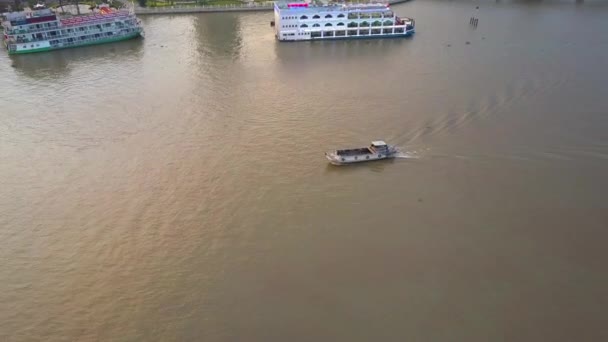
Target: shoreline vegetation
x=195 y=3
x=195 y=6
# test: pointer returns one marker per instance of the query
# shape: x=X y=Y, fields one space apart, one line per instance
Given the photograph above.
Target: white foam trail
x=406 y=155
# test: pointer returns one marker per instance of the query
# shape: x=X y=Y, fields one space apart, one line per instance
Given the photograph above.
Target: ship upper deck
x=327 y=6
x=94 y=18
x=29 y=17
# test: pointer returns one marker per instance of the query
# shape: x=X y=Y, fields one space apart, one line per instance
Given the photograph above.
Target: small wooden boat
x=376 y=151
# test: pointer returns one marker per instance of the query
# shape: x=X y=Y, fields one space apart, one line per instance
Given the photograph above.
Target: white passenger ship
x=305 y=20
x=44 y=30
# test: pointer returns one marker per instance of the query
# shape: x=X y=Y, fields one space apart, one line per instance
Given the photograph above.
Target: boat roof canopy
x=378 y=143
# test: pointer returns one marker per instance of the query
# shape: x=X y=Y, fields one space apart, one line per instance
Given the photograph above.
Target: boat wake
x=407 y=155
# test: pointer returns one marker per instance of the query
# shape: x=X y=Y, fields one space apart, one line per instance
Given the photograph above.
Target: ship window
x=340 y=15
x=316 y=25
x=328 y=24
x=304 y=25
x=316 y=17
x=303 y=17
x=328 y=16
x=340 y=24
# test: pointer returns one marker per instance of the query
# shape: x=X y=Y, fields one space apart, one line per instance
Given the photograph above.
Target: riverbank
x=254 y=6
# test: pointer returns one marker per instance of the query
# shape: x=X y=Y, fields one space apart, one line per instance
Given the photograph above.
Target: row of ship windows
x=329 y=16
x=83 y=28
x=363 y=24
x=39 y=26
x=344 y=33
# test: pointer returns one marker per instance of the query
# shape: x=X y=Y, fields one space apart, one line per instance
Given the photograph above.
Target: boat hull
x=345 y=160
x=129 y=36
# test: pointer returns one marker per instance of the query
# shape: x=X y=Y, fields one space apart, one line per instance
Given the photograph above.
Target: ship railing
x=80 y=42
x=65 y=25
x=76 y=20
x=73 y=34
x=15 y=30
x=345 y=6
x=358 y=29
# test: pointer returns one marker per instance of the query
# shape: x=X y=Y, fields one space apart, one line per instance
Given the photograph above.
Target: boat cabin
x=379 y=147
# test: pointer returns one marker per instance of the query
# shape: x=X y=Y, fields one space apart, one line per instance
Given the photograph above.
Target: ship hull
x=129 y=36
x=339 y=162
x=336 y=159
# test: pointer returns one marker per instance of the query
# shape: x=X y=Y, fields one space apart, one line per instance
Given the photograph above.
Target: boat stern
x=333 y=158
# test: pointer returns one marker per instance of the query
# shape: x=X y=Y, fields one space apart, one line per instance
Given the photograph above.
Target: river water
x=174 y=188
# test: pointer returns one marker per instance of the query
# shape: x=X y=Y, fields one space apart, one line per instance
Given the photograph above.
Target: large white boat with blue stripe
x=316 y=20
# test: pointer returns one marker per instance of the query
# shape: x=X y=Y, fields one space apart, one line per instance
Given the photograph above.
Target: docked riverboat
x=376 y=151
x=43 y=30
x=316 y=20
